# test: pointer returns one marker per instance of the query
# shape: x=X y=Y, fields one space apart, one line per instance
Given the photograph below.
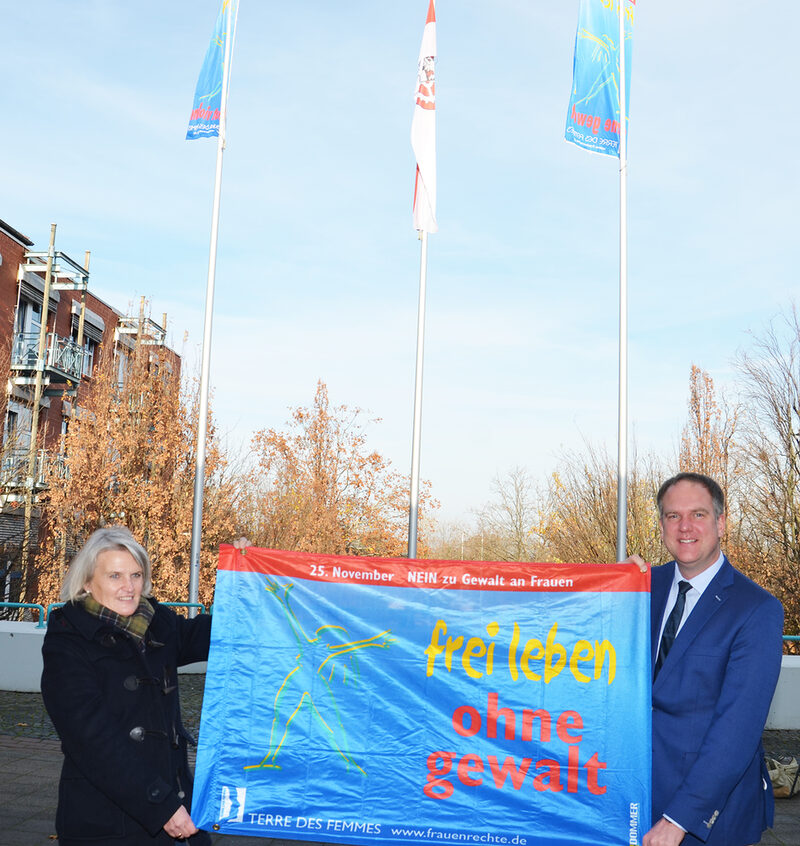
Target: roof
x=18 y=236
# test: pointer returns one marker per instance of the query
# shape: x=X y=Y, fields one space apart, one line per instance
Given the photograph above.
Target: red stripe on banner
x=446 y=575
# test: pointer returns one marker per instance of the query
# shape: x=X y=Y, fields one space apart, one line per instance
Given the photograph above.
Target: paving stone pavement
x=30 y=763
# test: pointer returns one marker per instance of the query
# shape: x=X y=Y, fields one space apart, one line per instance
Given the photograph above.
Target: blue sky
x=318 y=262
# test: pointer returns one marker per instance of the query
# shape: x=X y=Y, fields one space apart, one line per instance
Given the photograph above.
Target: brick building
x=78 y=327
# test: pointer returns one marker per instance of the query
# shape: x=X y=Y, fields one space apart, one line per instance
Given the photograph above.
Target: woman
x=109 y=683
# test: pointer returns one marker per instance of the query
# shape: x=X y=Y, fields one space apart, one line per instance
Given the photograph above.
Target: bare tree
x=709 y=445
x=771 y=498
x=507 y=523
x=708 y=437
x=579 y=522
x=454 y=541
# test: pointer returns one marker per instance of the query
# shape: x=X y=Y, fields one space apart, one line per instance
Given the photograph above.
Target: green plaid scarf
x=135 y=625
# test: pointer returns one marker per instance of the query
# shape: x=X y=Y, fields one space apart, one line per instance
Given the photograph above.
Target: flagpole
x=622 y=431
x=423 y=142
x=202 y=421
x=417 y=435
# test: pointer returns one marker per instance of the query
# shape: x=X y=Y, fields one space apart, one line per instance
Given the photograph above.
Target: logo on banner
x=231 y=806
x=426 y=84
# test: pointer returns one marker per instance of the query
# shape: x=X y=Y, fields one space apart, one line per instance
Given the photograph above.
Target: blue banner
x=594 y=105
x=207 y=103
x=370 y=701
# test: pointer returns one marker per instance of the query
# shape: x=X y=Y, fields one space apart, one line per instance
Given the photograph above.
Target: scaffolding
x=43 y=361
x=45 y=364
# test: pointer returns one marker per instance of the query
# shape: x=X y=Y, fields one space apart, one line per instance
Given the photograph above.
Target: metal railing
x=45 y=613
x=14 y=468
x=198 y=605
x=33 y=605
x=61 y=354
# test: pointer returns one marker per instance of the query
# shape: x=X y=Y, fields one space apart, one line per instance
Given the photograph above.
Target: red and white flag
x=423 y=129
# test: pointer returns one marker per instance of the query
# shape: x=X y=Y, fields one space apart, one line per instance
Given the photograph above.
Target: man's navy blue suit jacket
x=710 y=703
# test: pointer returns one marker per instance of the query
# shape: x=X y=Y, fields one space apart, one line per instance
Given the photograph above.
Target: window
x=29 y=317
x=10 y=428
x=123 y=365
x=89 y=350
x=17 y=426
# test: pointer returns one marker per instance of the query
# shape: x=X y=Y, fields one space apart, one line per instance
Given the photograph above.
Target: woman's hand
x=180 y=826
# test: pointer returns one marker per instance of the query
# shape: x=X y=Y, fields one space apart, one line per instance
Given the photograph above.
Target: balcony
x=14 y=471
x=66 y=274
x=144 y=328
x=63 y=359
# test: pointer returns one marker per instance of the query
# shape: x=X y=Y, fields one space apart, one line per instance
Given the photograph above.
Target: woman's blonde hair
x=83 y=564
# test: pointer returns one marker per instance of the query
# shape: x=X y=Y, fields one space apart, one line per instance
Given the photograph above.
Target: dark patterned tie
x=673 y=621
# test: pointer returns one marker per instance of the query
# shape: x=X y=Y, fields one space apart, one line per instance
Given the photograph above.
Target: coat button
x=131 y=683
x=137 y=734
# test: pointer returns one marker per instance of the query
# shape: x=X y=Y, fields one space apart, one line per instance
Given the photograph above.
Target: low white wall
x=21 y=669
x=784 y=713
x=21 y=657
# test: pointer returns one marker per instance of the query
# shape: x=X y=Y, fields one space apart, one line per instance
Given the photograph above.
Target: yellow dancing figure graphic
x=605 y=52
x=327 y=656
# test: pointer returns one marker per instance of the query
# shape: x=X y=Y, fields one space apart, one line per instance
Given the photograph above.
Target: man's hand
x=180 y=826
x=638 y=561
x=663 y=833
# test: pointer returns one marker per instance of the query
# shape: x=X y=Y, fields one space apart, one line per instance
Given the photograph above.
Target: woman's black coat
x=117 y=713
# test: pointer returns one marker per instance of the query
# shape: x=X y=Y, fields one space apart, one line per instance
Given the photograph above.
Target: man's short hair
x=717 y=496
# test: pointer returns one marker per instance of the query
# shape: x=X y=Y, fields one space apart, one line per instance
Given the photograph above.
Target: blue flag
x=593 y=118
x=372 y=701
x=207 y=103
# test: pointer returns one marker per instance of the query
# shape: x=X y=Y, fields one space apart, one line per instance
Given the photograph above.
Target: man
x=716 y=653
